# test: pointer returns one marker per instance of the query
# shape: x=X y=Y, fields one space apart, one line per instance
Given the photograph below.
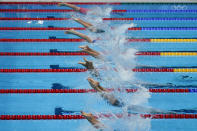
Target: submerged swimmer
x=89 y=26
x=74 y=7
x=92 y=119
x=81 y=35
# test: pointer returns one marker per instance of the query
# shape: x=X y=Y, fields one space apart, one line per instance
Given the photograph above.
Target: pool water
x=155 y=21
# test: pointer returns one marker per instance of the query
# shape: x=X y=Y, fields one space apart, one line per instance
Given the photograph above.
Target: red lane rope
x=7 y=18
x=81 y=70
x=19 y=91
x=54 y=28
x=42 y=40
x=63 y=40
x=41 y=53
x=46 y=10
x=72 y=117
x=41 y=28
x=118 y=18
x=63 y=53
x=41 y=70
x=55 y=3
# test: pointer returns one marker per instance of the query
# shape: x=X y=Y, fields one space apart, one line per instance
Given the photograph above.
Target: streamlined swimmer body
x=74 y=7
x=111 y=99
x=89 y=26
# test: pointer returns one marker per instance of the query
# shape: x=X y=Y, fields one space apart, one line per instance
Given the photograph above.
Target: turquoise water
x=45 y=104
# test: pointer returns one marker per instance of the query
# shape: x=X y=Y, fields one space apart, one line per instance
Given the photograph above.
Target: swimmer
x=115 y=102
x=89 y=26
x=89 y=65
x=92 y=119
x=83 y=36
x=74 y=7
x=90 y=51
x=104 y=93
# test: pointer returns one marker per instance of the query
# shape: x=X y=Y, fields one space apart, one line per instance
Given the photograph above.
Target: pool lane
x=46 y=103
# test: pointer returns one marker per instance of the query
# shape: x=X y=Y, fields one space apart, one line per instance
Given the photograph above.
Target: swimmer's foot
x=87 y=64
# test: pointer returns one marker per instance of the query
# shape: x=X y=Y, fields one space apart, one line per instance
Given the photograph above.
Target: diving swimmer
x=104 y=93
x=92 y=119
x=115 y=102
x=74 y=7
x=90 y=51
x=89 y=26
x=89 y=65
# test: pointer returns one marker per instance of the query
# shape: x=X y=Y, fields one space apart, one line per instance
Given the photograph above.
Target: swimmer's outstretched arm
x=104 y=93
x=92 y=119
x=90 y=51
x=88 y=39
x=89 y=65
x=69 y=5
x=85 y=24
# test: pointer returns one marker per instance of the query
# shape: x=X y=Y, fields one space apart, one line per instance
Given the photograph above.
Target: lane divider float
x=80 y=53
x=84 y=70
x=111 y=19
x=152 y=40
x=74 y=117
x=113 y=11
x=152 y=90
x=80 y=28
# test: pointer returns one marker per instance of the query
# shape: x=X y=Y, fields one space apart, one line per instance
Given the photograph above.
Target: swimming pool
x=164 y=36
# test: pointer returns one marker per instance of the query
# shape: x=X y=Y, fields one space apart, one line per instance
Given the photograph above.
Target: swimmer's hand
x=61 y=4
x=70 y=31
x=86 y=114
x=90 y=51
x=87 y=64
x=94 y=84
x=85 y=48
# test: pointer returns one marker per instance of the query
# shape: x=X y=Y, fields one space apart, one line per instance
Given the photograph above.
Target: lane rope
x=83 y=70
x=113 y=11
x=97 y=3
x=80 y=53
x=72 y=117
x=153 y=40
x=152 y=90
x=80 y=28
x=111 y=19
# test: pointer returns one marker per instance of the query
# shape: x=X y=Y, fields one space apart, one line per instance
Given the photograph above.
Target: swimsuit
x=93 y=41
x=95 y=30
x=83 y=10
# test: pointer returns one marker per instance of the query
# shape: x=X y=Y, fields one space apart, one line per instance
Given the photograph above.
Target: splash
x=118 y=60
